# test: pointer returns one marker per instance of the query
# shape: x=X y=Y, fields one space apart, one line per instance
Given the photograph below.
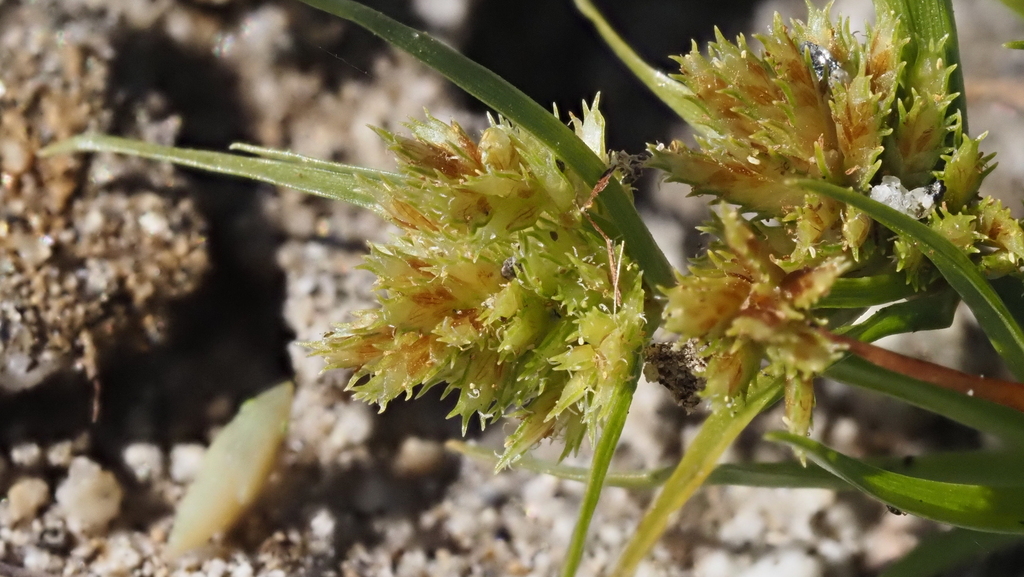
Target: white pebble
x=417 y=457
x=36 y=559
x=242 y=570
x=119 y=557
x=14 y=156
x=26 y=497
x=412 y=564
x=215 y=568
x=442 y=13
x=716 y=563
x=186 y=461
x=90 y=497
x=60 y=454
x=788 y=562
x=145 y=460
x=26 y=455
x=322 y=524
x=354 y=425
x=154 y=224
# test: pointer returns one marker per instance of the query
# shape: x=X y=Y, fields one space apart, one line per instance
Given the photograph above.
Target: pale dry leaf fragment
x=234 y=470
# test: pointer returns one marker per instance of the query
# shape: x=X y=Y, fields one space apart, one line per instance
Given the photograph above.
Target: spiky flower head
x=496 y=287
x=816 y=103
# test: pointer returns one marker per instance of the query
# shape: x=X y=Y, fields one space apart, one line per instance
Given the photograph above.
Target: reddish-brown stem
x=1005 y=393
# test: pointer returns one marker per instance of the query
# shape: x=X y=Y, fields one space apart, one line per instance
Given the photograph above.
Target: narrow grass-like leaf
x=787 y=474
x=625 y=479
x=852 y=293
x=998 y=509
x=1011 y=290
x=924 y=313
x=673 y=93
x=338 y=183
x=943 y=551
x=602 y=460
x=511 y=103
x=997 y=420
x=972 y=467
x=302 y=160
x=961 y=274
x=969 y=467
x=715 y=435
x=1015 y=44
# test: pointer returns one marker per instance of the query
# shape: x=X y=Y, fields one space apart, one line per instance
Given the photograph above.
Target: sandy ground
x=178 y=295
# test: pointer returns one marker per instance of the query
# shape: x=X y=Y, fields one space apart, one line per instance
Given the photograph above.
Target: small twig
x=89 y=363
x=1006 y=393
x=608 y=245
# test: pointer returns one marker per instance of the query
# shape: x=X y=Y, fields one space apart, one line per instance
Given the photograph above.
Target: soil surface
x=157 y=299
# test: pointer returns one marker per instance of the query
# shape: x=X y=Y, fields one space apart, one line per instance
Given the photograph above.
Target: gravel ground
x=174 y=296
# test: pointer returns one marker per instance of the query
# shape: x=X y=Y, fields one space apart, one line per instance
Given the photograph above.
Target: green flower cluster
x=817 y=104
x=497 y=288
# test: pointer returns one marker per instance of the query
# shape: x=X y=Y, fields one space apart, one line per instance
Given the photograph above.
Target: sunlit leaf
x=716 y=434
x=673 y=93
x=990 y=508
x=961 y=274
x=866 y=291
x=517 y=107
x=998 y=420
x=330 y=180
x=925 y=313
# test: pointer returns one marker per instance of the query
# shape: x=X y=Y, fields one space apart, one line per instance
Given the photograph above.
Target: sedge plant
x=524 y=282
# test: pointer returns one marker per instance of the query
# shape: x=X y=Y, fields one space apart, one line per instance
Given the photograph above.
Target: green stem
x=603 y=453
x=625 y=479
x=673 y=93
x=716 y=434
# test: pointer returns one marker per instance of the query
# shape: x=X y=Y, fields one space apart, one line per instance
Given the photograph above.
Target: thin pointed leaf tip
x=495 y=287
x=818 y=103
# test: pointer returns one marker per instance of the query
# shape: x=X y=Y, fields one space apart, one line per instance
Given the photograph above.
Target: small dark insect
x=508 y=268
x=894 y=510
x=674 y=369
x=825 y=66
x=936 y=190
x=630 y=165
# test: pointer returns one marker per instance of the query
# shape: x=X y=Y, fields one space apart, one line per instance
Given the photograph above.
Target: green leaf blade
x=336 y=184
x=985 y=416
x=513 y=104
x=941 y=552
x=924 y=313
x=715 y=435
x=673 y=93
x=979 y=507
x=958 y=270
x=852 y=293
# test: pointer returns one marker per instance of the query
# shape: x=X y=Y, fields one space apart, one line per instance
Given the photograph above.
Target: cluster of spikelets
x=815 y=104
x=496 y=288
